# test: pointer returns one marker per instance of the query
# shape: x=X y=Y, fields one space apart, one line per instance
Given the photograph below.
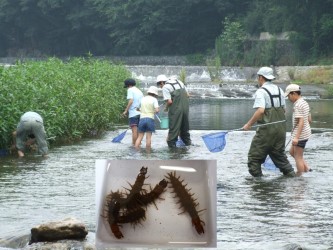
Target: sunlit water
x=268 y=213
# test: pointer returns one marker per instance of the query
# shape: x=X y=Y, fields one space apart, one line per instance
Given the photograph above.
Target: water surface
x=268 y=213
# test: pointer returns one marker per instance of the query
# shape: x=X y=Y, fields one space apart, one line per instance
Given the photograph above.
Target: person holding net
x=177 y=104
x=134 y=96
x=269 y=140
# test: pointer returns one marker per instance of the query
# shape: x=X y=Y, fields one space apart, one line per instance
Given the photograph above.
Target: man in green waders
x=177 y=104
x=270 y=138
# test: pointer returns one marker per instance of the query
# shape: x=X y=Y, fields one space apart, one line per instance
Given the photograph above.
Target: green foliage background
x=168 y=27
x=75 y=98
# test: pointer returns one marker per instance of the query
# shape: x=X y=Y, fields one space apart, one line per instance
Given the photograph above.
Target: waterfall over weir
x=235 y=82
x=194 y=74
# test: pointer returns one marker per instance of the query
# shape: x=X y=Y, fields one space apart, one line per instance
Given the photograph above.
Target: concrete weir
x=201 y=74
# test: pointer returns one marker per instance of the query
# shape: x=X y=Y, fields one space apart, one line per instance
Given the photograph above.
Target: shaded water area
x=268 y=213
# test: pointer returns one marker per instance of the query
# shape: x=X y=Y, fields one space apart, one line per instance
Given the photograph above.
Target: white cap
x=153 y=90
x=291 y=88
x=173 y=79
x=266 y=72
x=161 y=78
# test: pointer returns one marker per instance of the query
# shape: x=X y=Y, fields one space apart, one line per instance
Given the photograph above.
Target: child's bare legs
x=148 y=140
x=301 y=165
x=138 y=140
x=134 y=134
x=20 y=153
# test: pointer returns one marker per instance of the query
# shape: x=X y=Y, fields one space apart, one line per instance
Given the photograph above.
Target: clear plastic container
x=165 y=225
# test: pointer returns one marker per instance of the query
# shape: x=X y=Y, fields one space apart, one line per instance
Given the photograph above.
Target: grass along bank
x=76 y=98
x=321 y=75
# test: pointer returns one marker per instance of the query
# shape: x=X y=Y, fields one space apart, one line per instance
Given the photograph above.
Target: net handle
x=259 y=125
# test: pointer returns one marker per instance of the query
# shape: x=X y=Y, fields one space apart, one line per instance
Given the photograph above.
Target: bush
x=74 y=98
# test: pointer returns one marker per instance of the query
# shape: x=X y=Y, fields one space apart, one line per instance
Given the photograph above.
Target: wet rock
x=293 y=246
x=69 y=228
x=61 y=245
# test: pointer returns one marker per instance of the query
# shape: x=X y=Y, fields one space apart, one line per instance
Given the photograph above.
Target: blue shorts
x=146 y=125
x=134 y=121
x=302 y=143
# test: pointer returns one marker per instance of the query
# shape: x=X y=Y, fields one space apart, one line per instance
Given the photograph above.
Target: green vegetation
x=229 y=45
x=171 y=27
x=182 y=75
x=330 y=91
x=214 y=69
x=322 y=75
x=77 y=98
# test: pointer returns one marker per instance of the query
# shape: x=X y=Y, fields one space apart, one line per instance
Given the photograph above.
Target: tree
x=229 y=45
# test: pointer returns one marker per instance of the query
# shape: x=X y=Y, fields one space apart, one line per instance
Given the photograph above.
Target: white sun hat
x=161 y=78
x=292 y=88
x=266 y=72
x=153 y=90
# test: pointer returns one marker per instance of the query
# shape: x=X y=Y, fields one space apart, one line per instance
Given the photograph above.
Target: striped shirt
x=301 y=109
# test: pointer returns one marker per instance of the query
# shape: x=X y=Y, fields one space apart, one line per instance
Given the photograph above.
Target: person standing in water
x=177 y=104
x=134 y=96
x=148 y=108
x=301 y=127
x=269 y=139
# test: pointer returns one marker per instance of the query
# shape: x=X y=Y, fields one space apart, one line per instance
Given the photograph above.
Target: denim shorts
x=302 y=143
x=146 y=125
x=134 y=121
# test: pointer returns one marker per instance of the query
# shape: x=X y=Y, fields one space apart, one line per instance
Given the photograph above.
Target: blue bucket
x=164 y=122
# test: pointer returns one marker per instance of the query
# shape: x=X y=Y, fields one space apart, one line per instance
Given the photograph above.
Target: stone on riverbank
x=61 y=245
x=69 y=228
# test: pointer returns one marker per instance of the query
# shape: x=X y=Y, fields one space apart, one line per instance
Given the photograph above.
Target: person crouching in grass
x=148 y=108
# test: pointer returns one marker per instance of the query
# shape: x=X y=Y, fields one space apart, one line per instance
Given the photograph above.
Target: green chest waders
x=179 y=117
x=270 y=140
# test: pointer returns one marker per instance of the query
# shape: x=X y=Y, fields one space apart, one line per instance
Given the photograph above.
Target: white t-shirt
x=148 y=106
x=135 y=94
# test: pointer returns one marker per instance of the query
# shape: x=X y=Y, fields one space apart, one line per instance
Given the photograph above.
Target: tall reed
x=75 y=98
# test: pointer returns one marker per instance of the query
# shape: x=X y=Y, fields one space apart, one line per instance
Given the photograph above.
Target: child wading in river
x=148 y=108
x=301 y=127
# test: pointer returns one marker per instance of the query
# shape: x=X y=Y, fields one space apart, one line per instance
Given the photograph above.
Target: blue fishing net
x=180 y=143
x=119 y=137
x=4 y=152
x=215 y=142
x=269 y=164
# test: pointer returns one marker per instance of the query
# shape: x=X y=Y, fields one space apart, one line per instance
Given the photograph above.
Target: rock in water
x=69 y=228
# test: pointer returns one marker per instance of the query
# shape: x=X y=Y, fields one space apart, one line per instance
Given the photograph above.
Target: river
x=268 y=213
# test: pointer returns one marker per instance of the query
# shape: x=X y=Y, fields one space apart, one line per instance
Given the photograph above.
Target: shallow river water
x=272 y=212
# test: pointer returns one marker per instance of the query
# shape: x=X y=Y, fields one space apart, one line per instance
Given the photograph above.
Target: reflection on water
x=228 y=114
x=268 y=213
